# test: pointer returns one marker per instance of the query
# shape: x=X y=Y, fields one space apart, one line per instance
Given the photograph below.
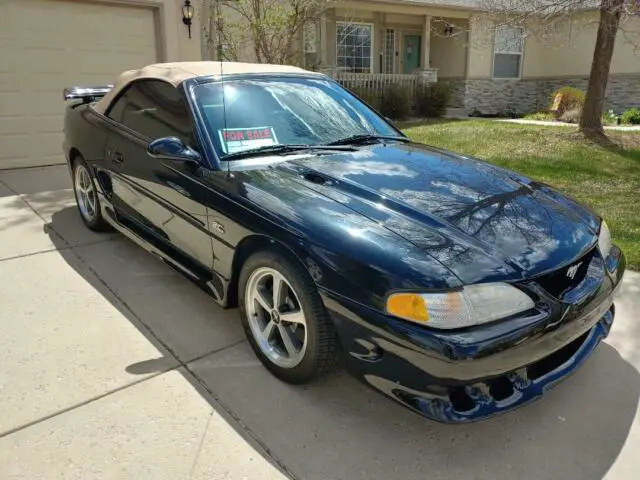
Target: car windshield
x=261 y=112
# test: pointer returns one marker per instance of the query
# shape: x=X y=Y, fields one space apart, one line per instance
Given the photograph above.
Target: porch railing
x=378 y=81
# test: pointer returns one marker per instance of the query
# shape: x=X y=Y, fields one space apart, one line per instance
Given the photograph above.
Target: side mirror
x=172 y=148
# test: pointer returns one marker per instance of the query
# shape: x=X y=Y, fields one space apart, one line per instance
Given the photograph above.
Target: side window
x=117 y=109
x=154 y=109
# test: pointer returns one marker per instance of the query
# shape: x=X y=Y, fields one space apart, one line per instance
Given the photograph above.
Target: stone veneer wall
x=498 y=96
x=623 y=92
x=457 y=86
x=529 y=95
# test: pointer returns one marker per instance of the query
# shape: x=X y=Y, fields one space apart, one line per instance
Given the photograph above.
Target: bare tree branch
x=545 y=18
x=272 y=27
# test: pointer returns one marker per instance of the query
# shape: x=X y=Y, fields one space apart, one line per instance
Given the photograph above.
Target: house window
x=354 y=43
x=389 y=50
x=507 y=52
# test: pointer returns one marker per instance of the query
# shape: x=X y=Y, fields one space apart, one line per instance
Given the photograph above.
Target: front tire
x=284 y=318
x=86 y=194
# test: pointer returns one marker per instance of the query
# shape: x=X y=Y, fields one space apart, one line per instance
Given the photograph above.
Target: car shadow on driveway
x=338 y=428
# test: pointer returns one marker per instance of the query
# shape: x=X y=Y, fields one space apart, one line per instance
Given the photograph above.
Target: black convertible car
x=457 y=288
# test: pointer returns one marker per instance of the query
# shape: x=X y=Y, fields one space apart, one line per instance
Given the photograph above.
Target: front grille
x=560 y=282
x=557 y=358
x=482 y=399
x=502 y=387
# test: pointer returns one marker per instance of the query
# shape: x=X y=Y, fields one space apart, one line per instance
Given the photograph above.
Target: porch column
x=328 y=39
x=378 y=43
x=426 y=42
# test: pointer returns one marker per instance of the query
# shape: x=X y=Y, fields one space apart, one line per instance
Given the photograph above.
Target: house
x=490 y=68
x=47 y=45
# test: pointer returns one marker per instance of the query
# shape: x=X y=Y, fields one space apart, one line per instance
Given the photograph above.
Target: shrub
x=609 y=118
x=368 y=95
x=508 y=112
x=571 y=116
x=546 y=116
x=571 y=99
x=395 y=102
x=432 y=100
x=631 y=116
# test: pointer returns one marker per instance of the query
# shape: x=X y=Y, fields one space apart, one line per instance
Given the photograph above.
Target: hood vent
x=317 y=178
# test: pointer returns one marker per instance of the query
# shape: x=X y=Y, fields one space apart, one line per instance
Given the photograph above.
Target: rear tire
x=284 y=318
x=86 y=193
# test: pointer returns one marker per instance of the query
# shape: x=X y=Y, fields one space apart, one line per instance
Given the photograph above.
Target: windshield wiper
x=279 y=149
x=366 y=138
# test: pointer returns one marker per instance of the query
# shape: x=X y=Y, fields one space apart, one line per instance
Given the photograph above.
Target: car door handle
x=117 y=157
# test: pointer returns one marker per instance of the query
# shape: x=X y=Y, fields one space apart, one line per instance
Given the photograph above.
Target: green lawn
x=606 y=178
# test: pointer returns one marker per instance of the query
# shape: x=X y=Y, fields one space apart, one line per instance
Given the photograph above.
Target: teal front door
x=412 y=44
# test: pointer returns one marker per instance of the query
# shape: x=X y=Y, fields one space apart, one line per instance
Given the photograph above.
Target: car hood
x=482 y=222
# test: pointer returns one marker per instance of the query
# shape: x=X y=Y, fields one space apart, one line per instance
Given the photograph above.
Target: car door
x=162 y=200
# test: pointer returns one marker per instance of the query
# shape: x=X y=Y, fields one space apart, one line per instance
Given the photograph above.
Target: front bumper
x=463 y=376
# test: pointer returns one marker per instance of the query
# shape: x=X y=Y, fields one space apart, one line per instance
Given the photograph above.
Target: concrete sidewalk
x=114 y=367
x=549 y=123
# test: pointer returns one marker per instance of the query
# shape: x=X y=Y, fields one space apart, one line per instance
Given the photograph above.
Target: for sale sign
x=240 y=139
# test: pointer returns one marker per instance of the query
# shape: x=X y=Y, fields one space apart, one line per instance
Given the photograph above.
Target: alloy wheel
x=85 y=193
x=275 y=317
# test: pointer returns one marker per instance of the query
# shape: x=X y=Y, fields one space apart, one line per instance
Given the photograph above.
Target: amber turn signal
x=409 y=306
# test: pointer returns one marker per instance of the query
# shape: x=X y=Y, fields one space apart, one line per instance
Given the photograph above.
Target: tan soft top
x=178 y=72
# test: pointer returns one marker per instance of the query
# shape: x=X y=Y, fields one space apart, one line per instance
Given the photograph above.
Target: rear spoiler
x=86 y=94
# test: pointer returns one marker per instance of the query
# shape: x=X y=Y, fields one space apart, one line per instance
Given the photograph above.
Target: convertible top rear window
x=289 y=110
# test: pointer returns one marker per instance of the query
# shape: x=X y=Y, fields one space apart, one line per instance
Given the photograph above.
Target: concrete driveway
x=113 y=366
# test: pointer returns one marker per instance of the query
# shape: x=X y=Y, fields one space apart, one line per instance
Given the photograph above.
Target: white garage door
x=47 y=45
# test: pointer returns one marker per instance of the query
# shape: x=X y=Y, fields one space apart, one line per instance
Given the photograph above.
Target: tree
x=271 y=29
x=224 y=38
x=591 y=119
x=542 y=17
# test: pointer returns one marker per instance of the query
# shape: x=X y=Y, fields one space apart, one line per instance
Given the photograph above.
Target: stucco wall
x=449 y=54
x=187 y=48
x=479 y=53
x=394 y=18
x=173 y=38
x=569 y=53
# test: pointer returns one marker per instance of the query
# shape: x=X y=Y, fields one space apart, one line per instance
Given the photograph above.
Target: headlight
x=473 y=305
x=604 y=240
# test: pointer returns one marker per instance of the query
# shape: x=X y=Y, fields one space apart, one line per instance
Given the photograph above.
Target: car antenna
x=224 y=106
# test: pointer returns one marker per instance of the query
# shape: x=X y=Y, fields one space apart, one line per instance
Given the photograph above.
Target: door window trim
x=136 y=133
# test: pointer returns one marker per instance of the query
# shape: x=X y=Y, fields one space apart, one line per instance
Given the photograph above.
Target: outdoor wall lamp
x=187 y=14
x=448 y=30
